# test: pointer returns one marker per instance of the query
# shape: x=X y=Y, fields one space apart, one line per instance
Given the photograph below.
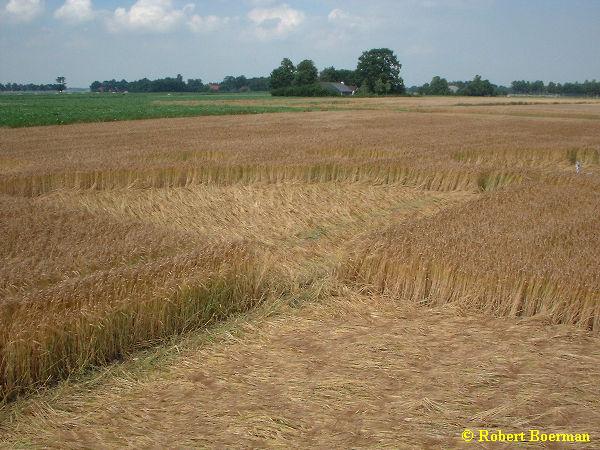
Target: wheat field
x=120 y=236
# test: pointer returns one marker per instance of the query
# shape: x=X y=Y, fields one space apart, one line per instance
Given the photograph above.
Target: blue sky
x=502 y=40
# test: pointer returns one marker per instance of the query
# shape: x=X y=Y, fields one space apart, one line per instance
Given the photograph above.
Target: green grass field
x=55 y=109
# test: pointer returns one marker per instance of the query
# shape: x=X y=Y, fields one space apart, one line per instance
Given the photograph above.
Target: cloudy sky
x=502 y=40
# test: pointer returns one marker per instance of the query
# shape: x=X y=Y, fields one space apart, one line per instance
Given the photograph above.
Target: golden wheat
x=519 y=252
x=117 y=235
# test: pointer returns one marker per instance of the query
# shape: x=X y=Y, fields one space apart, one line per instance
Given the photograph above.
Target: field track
x=357 y=372
x=397 y=272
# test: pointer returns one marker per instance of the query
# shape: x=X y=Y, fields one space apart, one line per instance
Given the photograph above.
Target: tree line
x=17 y=87
x=480 y=87
x=243 y=84
x=477 y=87
x=587 y=88
x=60 y=85
x=377 y=73
x=177 y=84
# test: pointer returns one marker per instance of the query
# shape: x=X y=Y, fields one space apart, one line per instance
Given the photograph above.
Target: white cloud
x=336 y=14
x=342 y=18
x=275 y=22
x=206 y=24
x=24 y=10
x=75 y=11
x=345 y=28
x=149 y=15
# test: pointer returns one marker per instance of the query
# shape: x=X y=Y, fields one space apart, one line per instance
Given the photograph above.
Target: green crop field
x=56 y=109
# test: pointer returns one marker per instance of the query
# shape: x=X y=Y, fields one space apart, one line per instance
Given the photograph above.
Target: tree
x=573 y=88
x=553 y=88
x=306 y=73
x=537 y=87
x=519 y=87
x=258 y=84
x=283 y=76
x=228 y=84
x=423 y=90
x=379 y=70
x=346 y=76
x=502 y=91
x=329 y=74
x=61 y=83
x=438 y=86
x=143 y=85
x=478 y=88
x=167 y=84
x=241 y=82
x=363 y=90
x=195 y=85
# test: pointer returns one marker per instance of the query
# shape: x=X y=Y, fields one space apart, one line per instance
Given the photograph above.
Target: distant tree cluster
x=60 y=85
x=243 y=84
x=346 y=76
x=438 y=86
x=477 y=87
x=300 y=81
x=287 y=75
x=177 y=84
x=16 y=87
x=587 y=88
x=377 y=72
x=480 y=87
x=145 y=85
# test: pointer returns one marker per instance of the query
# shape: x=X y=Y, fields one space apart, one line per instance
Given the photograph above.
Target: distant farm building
x=454 y=89
x=340 y=88
x=214 y=87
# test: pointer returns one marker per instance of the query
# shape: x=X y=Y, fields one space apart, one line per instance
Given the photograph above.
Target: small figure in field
x=577 y=167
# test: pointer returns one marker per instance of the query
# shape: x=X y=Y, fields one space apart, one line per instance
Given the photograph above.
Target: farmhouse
x=340 y=88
